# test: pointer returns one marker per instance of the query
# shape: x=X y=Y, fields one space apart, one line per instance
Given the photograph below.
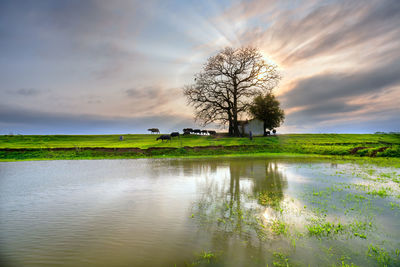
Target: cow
x=204 y=132
x=197 y=131
x=188 y=130
x=268 y=133
x=175 y=134
x=154 y=130
x=212 y=132
x=274 y=131
x=164 y=137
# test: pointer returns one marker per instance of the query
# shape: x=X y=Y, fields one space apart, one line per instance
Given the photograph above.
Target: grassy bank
x=30 y=147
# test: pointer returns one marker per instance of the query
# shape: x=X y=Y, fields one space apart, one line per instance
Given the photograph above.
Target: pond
x=199 y=212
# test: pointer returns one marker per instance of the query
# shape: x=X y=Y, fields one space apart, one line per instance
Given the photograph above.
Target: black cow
x=274 y=131
x=188 y=130
x=268 y=133
x=175 y=134
x=212 y=132
x=164 y=137
x=153 y=130
x=197 y=131
x=204 y=132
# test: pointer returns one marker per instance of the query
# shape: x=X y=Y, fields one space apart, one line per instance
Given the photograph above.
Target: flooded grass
x=343 y=208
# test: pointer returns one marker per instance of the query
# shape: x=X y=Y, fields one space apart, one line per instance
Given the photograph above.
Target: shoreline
x=15 y=155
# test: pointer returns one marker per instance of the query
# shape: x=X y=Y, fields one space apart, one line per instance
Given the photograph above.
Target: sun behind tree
x=225 y=87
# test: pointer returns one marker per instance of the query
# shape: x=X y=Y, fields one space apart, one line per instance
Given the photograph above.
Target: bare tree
x=225 y=87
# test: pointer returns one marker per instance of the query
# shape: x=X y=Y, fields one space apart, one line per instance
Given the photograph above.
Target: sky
x=115 y=67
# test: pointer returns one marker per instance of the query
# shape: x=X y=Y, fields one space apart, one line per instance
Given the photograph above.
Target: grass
x=271 y=199
x=28 y=147
x=279 y=227
x=143 y=141
x=205 y=258
x=382 y=192
x=379 y=254
x=208 y=256
x=280 y=260
x=324 y=229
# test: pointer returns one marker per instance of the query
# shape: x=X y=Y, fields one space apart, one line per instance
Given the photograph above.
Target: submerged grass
x=279 y=227
x=280 y=260
x=319 y=229
x=205 y=258
x=379 y=254
x=342 y=206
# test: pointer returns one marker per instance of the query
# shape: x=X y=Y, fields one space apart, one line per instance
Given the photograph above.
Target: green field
x=20 y=147
x=148 y=140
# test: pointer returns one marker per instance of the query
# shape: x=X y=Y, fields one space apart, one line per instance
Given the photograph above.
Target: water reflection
x=229 y=206
x=272 y=183
x=164 y=212
x=121 y=206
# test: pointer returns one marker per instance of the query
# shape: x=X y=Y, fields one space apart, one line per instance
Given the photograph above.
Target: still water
x=198 y=212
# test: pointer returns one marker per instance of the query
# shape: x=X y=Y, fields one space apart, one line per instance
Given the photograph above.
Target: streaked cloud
x=334 y=54
x=326 y=87
x=114 y=63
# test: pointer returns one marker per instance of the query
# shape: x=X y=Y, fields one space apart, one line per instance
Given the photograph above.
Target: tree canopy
x=225 y=87
x=267 y=109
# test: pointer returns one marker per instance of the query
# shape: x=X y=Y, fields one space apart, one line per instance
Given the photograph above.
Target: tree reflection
x=230 y=206
x=269 y=189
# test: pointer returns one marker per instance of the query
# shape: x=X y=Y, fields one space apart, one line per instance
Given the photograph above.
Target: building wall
x=255 y=126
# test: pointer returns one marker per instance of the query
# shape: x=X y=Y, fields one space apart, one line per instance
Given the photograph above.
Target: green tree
x=266 y=108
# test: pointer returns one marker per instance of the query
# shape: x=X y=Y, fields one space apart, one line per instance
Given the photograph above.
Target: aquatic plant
x=270 y=198
x=207 y=256
x=382 y=192
x=324 y=229
x=203 y=258
x=280 y=260
x=279 y=227
x=379 y=254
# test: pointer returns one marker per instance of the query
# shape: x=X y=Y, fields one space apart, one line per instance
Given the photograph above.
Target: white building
x=255 y=126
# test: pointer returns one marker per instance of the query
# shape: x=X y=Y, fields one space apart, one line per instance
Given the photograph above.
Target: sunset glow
x=96 y=67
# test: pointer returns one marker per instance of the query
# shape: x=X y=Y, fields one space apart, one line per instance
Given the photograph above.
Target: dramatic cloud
x=325 y=87
x=334 y=55
x=120 y=66
x=343 y=26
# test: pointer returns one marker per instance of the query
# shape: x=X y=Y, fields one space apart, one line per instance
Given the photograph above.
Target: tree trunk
x=236 y=131
x=230 y=124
